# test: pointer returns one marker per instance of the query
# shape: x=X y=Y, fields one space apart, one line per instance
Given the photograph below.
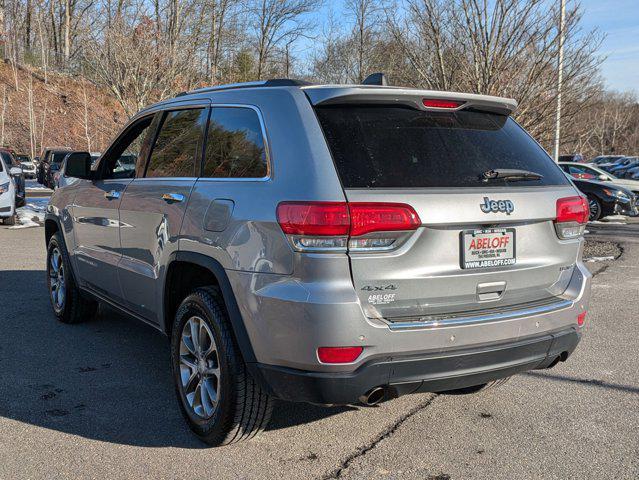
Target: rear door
x=153 y=206
x=484 y=242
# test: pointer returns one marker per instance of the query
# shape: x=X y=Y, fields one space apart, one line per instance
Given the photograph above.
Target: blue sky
x=618 y=20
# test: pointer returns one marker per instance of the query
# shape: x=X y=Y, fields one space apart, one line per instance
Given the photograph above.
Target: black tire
x=595 y=208
x=243 y=409
x=477 y=388
x=10 y=220
x=74 y=307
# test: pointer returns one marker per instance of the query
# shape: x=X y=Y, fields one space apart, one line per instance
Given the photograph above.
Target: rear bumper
x=434 y=372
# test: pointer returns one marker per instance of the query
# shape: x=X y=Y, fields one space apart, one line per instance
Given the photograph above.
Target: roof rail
x=275 y=82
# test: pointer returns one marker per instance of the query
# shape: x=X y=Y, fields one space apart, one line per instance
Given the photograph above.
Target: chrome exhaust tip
x=373 y=396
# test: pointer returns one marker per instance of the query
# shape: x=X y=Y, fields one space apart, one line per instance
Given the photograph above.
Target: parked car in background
x=605 y=199
x=51 y=160
x=28 y=167
x=613 y=164
x=605 y=159
x=590 y=172
x=95 y=156
x=8 y=173
x=574 y=157
x=632 y=173
x=324 y=244
x=621 y=169
x=17 y=174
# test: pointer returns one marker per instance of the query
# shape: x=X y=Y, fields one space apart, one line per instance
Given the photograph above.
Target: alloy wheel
x=57 y=285
x=594 y=209
x=199 y=367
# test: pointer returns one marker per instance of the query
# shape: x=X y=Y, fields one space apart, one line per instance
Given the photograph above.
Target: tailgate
x=484 y=242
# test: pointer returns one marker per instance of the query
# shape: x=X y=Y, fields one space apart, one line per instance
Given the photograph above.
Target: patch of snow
x=31 y=215
x=599 y=259
x=614 y=217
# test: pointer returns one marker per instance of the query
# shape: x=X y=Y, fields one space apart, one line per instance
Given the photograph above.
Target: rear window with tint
x=399 y=147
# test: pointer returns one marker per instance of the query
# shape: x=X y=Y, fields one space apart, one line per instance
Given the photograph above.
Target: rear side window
x=399 y=147
x=178 y=145
x=235 y=144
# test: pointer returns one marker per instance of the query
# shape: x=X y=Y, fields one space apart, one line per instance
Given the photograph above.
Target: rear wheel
x=69 y=306
x=219 y=399
x=595 y=208
x=9 y=220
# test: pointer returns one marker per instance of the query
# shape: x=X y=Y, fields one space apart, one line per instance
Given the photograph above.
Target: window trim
x=100 y=166
x=265 y=140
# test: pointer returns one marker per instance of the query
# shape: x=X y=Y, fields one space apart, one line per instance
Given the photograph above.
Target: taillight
x=338 y=354
x=313 y=218
x=382 y=217
x=330 y=226
x=439 y=103
x=571 y=217
x=581 y=319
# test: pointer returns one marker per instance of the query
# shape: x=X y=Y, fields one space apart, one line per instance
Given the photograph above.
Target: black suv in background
x=50 y=163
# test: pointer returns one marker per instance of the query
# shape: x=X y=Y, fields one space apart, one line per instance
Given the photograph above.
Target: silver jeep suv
x=325 y=244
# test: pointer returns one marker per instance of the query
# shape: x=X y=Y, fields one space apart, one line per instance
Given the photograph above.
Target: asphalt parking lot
x=95 y=401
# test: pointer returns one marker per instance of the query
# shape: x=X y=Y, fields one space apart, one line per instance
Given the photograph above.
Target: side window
x=122 y=157
x=235 y=145
x=178 y=145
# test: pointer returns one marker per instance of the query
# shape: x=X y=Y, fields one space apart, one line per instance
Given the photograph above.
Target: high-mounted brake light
x=439 y=103
x=338 y=354
x=571 y=217
x=330 y=226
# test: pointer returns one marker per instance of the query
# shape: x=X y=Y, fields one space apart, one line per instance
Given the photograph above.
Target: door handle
x=112 y=195
x=173 y=197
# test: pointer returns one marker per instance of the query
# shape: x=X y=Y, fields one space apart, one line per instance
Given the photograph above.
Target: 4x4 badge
x=505 y=206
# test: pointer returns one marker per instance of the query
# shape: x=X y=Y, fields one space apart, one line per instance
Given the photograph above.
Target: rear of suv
x=325 y=244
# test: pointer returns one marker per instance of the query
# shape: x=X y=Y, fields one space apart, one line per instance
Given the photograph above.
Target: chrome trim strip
x=482 y=318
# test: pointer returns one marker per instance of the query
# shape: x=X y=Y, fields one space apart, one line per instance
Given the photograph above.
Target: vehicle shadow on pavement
x=107 y=379
x=584 y=381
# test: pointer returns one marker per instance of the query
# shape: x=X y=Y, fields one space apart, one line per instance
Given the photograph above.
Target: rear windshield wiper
x=512 y=174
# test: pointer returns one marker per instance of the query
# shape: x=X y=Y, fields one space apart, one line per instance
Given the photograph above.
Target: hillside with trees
x=122 y=55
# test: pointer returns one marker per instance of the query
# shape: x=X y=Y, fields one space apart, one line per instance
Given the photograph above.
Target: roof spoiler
x=414 y=98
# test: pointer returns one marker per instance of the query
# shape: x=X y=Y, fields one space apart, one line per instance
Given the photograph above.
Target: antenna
x=375 y=79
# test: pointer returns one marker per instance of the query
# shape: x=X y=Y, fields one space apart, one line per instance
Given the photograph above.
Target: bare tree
x=277 y=22
x=5 y=100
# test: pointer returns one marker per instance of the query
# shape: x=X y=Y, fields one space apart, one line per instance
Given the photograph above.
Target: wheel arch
x=200 y=270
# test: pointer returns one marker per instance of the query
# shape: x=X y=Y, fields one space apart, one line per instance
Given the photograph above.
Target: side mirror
x=602 y=177
x=15 y=171
x=79 y=165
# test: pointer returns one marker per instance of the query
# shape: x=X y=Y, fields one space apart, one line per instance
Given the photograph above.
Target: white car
x=7 y=193
x=28 y=167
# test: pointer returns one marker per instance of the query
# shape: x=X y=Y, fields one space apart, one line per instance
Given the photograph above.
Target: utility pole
x=560 y=75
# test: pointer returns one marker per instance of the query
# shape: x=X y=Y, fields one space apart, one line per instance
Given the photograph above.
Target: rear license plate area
x=487 y=248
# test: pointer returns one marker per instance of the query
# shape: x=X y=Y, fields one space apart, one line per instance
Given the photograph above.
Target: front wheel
x=219 y=399
x=595 y=208
x=9 y=220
